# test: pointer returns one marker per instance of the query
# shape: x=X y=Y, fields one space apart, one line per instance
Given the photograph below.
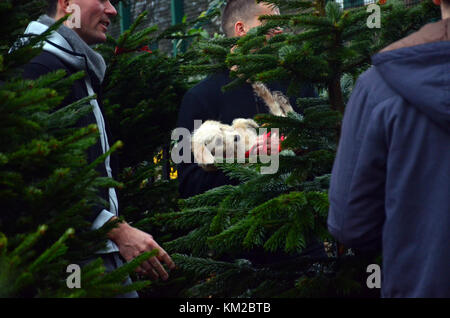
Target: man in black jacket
x=206 y=101
x=68 y=49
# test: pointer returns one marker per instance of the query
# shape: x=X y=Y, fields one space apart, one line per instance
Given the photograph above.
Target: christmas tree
x=250 y=240
x=47 y=188
x=142 y=91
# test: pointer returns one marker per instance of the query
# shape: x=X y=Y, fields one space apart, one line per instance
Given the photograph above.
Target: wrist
x=115 y=234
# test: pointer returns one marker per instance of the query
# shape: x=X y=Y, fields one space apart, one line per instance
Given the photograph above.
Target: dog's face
x=213 y=140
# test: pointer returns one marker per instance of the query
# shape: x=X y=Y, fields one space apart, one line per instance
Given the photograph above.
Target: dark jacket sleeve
x=46 y=63
x=356 y=194
x=192 y=178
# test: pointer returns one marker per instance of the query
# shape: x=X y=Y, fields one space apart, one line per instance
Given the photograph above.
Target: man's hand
x=265 y=144
x=133 y=242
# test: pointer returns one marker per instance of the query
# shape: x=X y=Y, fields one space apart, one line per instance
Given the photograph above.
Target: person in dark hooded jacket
x=390 y=185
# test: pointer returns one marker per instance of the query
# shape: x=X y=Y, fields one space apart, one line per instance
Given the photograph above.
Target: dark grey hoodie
x=390 y=186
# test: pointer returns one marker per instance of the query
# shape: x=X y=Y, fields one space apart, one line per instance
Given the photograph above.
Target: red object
x=145 y=49
x=266 y=136
x=120 y=50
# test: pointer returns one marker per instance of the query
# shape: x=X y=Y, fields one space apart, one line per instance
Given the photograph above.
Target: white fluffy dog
x=213 y=141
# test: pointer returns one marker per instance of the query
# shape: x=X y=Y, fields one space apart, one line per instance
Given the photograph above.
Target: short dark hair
x=51 y=7
x=446 y=2
x=234 y=11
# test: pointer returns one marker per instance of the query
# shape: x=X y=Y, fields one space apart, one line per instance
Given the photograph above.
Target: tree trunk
x=335 y=95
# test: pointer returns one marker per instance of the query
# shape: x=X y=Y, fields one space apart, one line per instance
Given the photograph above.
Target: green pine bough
x=45 y=177
x=249 y=240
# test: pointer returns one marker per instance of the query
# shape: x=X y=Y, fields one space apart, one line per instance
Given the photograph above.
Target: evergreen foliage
x=142 y=92
x=48 y=190
x=250 y=240
x=253 y=239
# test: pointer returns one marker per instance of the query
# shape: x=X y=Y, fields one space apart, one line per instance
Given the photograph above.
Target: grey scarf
x=94 y=60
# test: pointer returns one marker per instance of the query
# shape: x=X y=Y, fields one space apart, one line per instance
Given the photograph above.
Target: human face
x=95 y=19
x=253 y=21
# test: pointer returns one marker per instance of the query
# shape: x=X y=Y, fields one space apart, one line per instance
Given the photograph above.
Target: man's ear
x=239 y=29
x=63 y=6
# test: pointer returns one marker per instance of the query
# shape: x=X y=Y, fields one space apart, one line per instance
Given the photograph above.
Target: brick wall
x=159 y=13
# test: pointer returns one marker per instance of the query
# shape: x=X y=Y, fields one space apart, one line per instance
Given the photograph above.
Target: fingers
x=164 y=257
x=263 y=144
x=147 y=270
x=139 y=270
x=139 y=242
x=153 y=267
x=271 y=140
x=161 y=272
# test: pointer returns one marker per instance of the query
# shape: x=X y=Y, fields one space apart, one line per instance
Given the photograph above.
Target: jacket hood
x=69 y=47
x=418 y=69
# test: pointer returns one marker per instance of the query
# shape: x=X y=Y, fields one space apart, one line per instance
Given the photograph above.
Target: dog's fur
x=214 y=140
x=277 y=103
